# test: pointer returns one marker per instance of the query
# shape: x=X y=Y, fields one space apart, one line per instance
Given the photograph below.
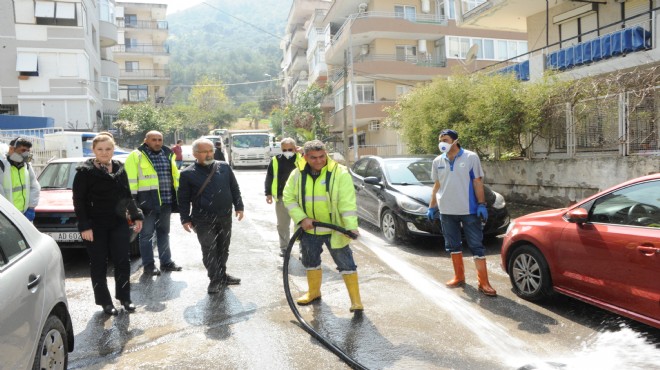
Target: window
x=365 y=93
x=107 y=11
x=27 y=64
x=489 y=49
x=55 y=13
x=360 y=168
x=636 y=205
x=133 y=93
x=406 y=53
x=362 y=139
x=130 y=20
x=12 y=242
x=402 y=90
x=374 y=125
x=109 y=88
x=407 y=12
x=131 y=66
x=339 y=100
x=373 y=169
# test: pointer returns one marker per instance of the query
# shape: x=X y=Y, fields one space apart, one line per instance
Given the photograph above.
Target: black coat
x=100 y=197
x=219 y=196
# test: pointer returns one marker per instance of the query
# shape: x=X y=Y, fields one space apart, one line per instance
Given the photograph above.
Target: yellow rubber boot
x=482 y=277
x=314 y=278
x=459 y=271
x=351 y=281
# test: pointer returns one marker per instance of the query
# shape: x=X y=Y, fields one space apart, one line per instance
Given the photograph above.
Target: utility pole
x=345 y=113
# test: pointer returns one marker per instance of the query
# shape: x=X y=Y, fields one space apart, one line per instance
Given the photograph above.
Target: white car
x=35 y=325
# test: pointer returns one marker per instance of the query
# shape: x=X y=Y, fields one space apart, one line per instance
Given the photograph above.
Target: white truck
x=249 y=148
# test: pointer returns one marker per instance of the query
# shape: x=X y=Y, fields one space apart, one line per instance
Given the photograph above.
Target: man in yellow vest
x=321 y=189
x=154 y=180
x=18 y=183
x=278 y=172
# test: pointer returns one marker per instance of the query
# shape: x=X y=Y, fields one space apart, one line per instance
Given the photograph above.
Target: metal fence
x=621 y=124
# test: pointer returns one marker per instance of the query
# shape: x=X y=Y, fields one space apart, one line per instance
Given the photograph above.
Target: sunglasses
x=288 y=150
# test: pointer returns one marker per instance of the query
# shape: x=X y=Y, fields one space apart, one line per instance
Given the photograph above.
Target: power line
x=246 y=22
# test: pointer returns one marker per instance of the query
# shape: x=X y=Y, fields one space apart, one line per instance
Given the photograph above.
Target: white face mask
x=19 y=158
x=445 y=147
x=288 y=155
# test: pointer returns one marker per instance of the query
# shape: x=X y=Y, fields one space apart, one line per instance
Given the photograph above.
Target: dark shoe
x=171 y=267
x=151 y=270
x=230 y=280
x=110 y=310
x=282 y=253
x=128 y=306
x=214 y=287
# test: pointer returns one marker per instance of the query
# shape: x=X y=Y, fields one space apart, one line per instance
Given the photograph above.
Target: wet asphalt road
x=411 y=321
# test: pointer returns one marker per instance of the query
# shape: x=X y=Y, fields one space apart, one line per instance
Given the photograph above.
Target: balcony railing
x=417 y=18
x=422 y=61
x=144 y=73
x=150 y=25
x=142 y=49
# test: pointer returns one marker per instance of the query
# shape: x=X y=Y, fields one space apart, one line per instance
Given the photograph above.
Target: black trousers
x=111 y=239
x=214 y=235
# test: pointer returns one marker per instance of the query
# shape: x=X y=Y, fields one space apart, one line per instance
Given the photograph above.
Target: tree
x=302 y=119
x=134 y=121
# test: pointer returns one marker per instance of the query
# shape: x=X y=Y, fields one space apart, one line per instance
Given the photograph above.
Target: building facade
x=57 y=60
x=372 y=52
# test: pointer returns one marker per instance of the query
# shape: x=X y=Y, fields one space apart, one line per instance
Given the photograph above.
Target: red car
x=604 y=250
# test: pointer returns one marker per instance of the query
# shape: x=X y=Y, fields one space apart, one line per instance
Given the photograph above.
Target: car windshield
x=58 y=175
x=409 y=171
x=250 y=141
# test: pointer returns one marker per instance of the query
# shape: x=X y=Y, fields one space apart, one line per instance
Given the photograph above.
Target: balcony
x=145 y=25
x=505 y=15
x=521 y=70
x=141 y=49
x=410 y=67
x=365 y=112
x=367 y=26
x=144 y=74
x=107 y=34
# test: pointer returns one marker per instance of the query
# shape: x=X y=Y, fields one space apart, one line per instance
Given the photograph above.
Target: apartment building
x=388 y=48
x=602 y=39
x=141 y=53
x=51 y=60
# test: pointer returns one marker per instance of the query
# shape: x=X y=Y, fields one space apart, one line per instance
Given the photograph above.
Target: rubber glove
x=430 y=214
x=482 y=212
x=29 y=214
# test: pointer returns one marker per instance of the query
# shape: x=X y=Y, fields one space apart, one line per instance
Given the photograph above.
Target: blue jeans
x=451 y=231
x=158 y=223
x=312 y=247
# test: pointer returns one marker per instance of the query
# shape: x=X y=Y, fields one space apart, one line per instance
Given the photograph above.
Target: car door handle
x=648 y=251
x=34 y=280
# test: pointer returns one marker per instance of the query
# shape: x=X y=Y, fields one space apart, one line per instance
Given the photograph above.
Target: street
x=411 y=320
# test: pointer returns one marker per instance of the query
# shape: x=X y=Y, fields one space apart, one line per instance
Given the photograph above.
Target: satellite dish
x=471 y=55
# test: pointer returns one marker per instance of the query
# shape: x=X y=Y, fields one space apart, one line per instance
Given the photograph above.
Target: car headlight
x=499 y=202
x=410 y=205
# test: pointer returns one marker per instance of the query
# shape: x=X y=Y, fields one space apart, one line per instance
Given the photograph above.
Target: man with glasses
x=18 y=182
x=278 y=172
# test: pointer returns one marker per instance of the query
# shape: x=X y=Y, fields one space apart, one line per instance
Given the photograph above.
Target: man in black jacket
x=278 y=172
x=210 y=216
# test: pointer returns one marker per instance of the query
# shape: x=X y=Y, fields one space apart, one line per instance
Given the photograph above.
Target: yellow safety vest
x=329 y=199
x=143 y=178
x=20 y=187
x=273 y=186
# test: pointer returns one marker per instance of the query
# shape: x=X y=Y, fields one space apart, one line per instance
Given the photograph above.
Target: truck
x=74 y=143
x=249 y=148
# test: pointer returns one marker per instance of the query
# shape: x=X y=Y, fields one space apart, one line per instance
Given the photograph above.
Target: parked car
x=35 y=325
x=394 y=194
x=55 y=215
x=604 y=250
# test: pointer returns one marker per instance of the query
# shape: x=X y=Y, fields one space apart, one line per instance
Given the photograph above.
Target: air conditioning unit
x=374 y=125
x=362 y=7
x=364 y=49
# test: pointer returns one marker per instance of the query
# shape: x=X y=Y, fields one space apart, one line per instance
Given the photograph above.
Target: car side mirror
x=577 y=215
x=372 y=180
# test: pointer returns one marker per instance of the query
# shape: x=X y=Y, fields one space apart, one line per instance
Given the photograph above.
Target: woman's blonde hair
x=102 y=137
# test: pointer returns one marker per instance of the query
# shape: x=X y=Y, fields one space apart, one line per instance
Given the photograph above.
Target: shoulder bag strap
x=208 y=179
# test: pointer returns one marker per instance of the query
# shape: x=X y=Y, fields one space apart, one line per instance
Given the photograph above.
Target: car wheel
x=389 y=225
x=529 y=274
x=52 y=351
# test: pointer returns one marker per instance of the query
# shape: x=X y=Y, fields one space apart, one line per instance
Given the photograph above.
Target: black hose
x=287 y=291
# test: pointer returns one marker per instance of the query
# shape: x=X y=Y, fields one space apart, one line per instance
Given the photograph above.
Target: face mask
x=288 y=155
x=18 y=158
x=445 y=147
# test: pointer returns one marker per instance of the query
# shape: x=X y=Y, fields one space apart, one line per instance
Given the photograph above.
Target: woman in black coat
x=104 y=206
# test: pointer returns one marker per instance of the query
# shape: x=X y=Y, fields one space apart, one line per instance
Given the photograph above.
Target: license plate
x=66 y=237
